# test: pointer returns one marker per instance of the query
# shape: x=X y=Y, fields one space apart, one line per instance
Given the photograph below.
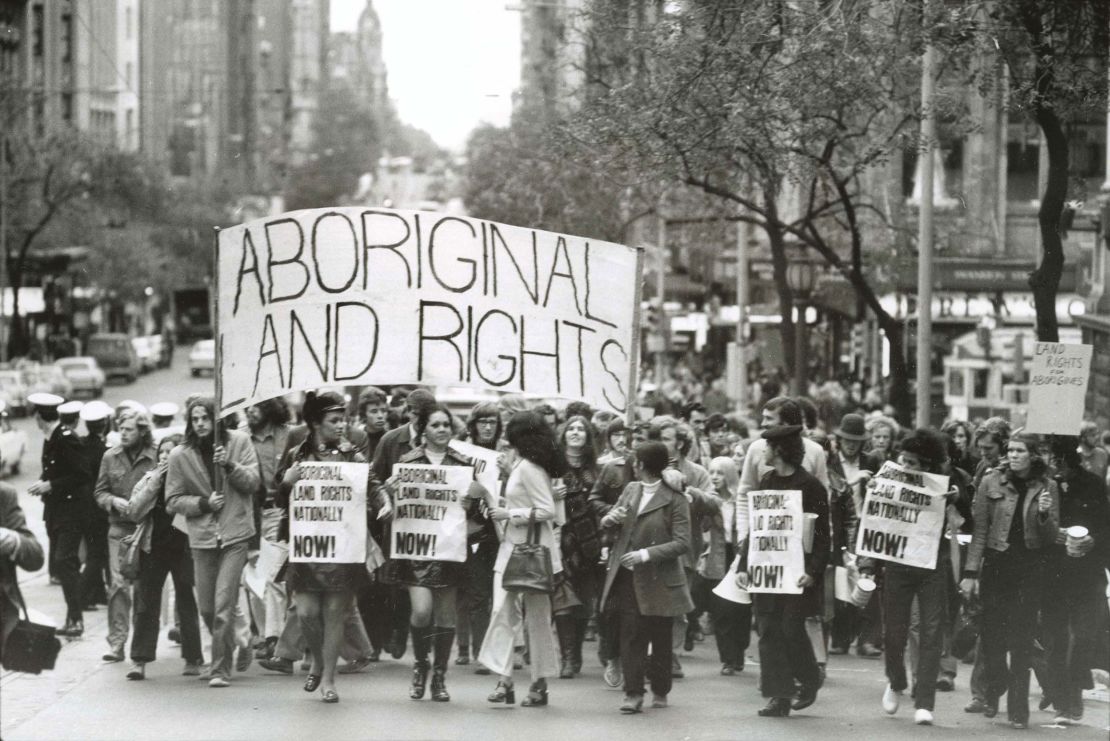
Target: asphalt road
x=86 y=699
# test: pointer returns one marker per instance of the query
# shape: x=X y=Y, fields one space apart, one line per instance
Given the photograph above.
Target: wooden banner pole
x=214 y=311
x=634 y=350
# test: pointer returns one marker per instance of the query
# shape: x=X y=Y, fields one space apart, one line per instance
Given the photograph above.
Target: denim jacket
x=993 y=512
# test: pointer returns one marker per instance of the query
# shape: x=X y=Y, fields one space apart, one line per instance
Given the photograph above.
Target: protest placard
x=429 y=516
x=485 y=467
x=903 y=515
x=1058 y=379
x=327 y=513
x=776 y=559
x=376 y=296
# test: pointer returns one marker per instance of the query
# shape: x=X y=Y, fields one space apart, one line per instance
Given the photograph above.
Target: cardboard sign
x=429 y=517
x=485 y=467
x=1058 y=379
x=355 y=296
x=776 y=559
x=903 y=516
x=327 y=513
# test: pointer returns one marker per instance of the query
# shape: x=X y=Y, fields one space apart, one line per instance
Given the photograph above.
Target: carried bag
x=130 y=548
x=529 y=568
x=31 y=647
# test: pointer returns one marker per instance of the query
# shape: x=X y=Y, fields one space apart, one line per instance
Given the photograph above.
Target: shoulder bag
x=529 y=566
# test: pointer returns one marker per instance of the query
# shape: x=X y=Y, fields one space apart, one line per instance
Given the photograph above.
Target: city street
x=87 y=699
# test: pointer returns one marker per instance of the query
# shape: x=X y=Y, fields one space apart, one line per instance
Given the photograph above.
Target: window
x=1022 y=159
x=981 y=378
x=956 y=386
x=129 y=73
x=67 y=38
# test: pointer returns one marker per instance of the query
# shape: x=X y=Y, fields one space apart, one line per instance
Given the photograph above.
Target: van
x=116 y=355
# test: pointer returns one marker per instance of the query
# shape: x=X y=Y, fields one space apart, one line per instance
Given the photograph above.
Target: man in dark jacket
x=63 y=482
x=18 y=547
x=96 y=575
x=1075 y=583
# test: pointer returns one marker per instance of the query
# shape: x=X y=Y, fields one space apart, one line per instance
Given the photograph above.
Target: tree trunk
x=1045 y=280
x=17 y=336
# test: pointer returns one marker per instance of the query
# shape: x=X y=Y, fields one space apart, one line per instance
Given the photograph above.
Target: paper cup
x=1075 y=533
x=809 y=521
x=862 y=591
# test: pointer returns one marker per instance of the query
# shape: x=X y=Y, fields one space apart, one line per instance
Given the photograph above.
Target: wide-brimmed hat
x=852 y=427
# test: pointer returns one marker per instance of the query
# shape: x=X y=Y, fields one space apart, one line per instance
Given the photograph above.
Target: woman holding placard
x=922 y=451
x=785 y=652
x=1017 y=514
x=433 y=585
x=323 y=592
x=533 y=458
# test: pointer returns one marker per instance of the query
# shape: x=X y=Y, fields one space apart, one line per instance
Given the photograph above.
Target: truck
x=192 y=314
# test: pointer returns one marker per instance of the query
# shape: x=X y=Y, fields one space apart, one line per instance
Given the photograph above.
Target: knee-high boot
x=565 y=629
x=443 y=639
x=421 y=640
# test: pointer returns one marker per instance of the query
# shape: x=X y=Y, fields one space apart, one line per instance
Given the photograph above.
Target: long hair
x=791 y=449
x=193 y=440
x=729 y=471
x=173 y=440
x=488 y=410
x=534 y=440
x=589 y=450
x=142 y=425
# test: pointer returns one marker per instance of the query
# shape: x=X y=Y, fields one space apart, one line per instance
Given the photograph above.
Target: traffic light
x=859 y=340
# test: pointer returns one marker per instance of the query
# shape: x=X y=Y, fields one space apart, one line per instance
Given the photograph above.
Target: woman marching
x=785 y=652
x=926 y=451
x=432 y=585
x=1016 y=516
x=580 y=544
x=533 y=459
x=322 y=592
x=732 y=621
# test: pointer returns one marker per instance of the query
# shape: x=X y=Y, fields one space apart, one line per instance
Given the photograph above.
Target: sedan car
x=47 y=379
x=202 y=358
x=84 y=375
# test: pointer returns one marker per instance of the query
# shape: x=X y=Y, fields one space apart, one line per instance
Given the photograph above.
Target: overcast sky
x=452 y=63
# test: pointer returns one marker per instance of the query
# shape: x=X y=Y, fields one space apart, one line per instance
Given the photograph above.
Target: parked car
x=160 y=349
x=13 y=444
x=84 y=375
x=15 y=392
x=203 y=357
x=47 y=379
x=148 y=361
x=115 y=355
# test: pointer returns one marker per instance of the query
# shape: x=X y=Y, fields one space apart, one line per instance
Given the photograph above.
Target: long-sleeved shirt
x=119 y=472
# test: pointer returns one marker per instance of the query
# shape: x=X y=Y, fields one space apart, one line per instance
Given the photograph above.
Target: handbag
x=130 y=548
x=529 y=566
x=31 y=647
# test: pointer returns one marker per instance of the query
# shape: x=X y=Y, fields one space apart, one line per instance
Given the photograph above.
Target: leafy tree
x=62 y=184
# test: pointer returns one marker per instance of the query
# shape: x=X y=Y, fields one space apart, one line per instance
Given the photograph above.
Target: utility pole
x=925 y=236
x=743 y=298
x=660 y=286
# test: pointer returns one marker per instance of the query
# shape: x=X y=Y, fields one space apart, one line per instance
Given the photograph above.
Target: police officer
x=64 y=473
x=96 y=575
x=68 y=414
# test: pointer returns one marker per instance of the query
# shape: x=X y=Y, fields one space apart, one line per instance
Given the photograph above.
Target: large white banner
x=776 y=556
x=903 y=515
x=327 y=513
x=429 y=515
x=348 y=296
x=1058 y=379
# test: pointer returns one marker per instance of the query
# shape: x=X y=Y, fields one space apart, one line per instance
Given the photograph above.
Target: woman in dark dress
x=580 y=542
x=323 y=592
x=432 y=585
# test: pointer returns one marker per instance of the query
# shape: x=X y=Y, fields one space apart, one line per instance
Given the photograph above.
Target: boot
x=564 y=628
x=443 y=639
x=580 y=626
x=420 y=642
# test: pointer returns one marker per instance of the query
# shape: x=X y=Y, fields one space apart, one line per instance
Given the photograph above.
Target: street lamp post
x=801 y=277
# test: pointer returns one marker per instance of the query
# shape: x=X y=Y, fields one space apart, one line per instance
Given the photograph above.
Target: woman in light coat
x=533 y=459
x=220 y=522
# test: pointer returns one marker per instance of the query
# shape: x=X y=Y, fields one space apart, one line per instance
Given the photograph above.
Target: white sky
x=451 y=63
